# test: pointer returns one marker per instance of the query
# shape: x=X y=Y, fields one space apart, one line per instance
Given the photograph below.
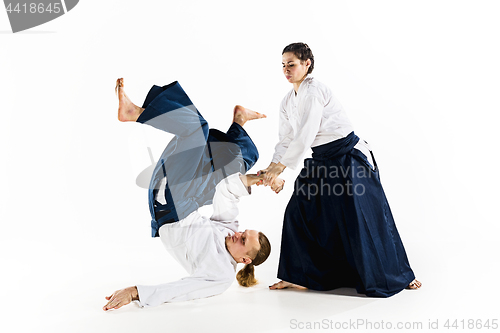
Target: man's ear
x=246 y=260
x=308 y=63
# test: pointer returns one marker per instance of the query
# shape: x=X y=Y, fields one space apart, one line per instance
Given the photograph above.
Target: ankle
x=239 y=120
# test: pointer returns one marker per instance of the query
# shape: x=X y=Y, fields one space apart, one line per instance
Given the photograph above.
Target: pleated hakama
x=338 y=229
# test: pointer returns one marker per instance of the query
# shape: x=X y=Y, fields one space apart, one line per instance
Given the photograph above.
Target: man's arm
x=227 y=196
x=228 y=193
x=188 y=288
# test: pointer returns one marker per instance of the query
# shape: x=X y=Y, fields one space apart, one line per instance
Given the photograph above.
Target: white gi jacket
x=310 y=118
x=198 y=244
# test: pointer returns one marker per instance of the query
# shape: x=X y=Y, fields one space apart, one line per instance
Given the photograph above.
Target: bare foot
x=242 y=115
x=284 y=284
x=415 y=284
x=127 y=111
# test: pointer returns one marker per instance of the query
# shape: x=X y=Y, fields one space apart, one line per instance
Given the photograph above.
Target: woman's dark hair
x=301 y=51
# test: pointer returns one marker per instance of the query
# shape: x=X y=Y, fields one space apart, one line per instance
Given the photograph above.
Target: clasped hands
x=270 y=177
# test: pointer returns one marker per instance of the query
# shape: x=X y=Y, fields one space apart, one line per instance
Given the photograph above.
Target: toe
x=415 y=284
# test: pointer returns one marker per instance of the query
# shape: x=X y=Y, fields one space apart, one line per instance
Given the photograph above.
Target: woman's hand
x=265 y=170
x=271 y=173
x=278 y=185
x=121 y=297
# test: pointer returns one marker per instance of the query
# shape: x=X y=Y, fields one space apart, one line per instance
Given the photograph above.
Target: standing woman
x=338 y=230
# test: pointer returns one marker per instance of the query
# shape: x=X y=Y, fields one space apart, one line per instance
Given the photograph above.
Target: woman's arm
x=275 y=168
x=285 y=135
x=310 y=112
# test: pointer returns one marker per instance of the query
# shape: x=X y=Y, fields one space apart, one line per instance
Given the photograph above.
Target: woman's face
x=293 y=68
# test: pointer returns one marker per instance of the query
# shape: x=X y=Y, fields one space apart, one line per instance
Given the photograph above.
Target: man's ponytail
x=246 y=276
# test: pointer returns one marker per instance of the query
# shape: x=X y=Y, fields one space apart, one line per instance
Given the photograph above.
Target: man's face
x=241 y=244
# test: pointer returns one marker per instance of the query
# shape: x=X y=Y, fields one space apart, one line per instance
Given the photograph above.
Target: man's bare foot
x=284 y=284
x=415 y=284
x=127 y=111
x=242 y=115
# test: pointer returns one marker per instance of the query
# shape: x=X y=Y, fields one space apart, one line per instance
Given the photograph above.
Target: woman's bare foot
x=284 y=284
x=242 y=115
x=415 y=284
x=127 y=111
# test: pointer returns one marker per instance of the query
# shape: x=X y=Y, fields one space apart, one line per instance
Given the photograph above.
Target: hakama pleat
x=338 y=229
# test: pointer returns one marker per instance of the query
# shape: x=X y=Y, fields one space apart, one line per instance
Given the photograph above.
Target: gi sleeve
x=226 y=198
x=285 y=135
x=189 y=288
x=310 y=112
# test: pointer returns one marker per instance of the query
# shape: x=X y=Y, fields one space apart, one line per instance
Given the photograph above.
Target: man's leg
x=223 y=154
x=169 y=109
x=127 y=111
x=239 y=136
x=192 y=167
x=230 y=152
x=166 y=108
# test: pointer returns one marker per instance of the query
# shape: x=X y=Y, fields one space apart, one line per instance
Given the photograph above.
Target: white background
x=419 y=80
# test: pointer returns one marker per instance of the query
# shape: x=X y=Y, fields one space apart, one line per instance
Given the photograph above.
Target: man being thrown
x=198 y=167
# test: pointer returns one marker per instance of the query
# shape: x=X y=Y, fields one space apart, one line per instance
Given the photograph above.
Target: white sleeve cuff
x=235 y=185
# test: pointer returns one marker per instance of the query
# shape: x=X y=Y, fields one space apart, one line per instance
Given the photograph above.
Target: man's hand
x=121 y=297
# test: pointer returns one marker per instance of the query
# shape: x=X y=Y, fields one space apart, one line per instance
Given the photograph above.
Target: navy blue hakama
x=195 y=160
x=338 y=230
